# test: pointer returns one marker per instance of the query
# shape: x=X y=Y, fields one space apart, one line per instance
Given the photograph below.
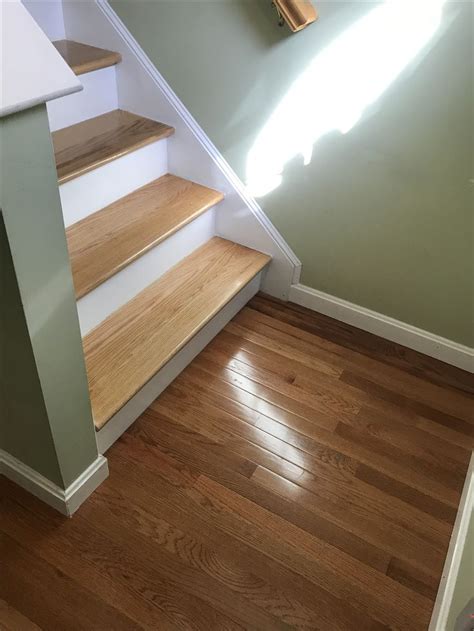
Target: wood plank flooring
x=299 y=474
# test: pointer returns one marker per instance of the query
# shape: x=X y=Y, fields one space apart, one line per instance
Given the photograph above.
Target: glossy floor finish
x=299 y=474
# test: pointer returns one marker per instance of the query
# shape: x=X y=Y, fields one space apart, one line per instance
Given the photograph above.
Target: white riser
x=93 y=191
x=139 y=403
x=121 y=288
x=98 y=97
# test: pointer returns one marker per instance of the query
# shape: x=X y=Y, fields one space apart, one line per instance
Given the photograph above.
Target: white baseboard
x=405 y=334
x=452 y=564
x=66 y=501
x=143 y=399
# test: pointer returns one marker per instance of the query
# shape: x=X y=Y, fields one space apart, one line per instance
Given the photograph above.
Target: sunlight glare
x=339 y=84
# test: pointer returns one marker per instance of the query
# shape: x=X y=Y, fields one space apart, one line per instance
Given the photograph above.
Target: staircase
x=153 y=282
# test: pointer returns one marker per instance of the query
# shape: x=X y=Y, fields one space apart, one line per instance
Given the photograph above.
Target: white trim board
x=394 y=330
x=29 y=79
x=191 y=154
x=66 y=501
x=452 y=564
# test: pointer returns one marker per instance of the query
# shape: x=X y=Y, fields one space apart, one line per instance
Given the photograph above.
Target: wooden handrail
x=296 y=13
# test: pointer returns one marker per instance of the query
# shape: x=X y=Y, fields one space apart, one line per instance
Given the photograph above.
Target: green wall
x=382 y=216
x=20 y=389
x=45 y=416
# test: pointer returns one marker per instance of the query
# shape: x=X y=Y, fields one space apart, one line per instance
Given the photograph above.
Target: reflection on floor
x=298 y=474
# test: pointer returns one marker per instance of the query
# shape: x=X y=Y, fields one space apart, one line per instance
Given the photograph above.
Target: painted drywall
x=22 y=406
x=39 y=312
x=382 y=216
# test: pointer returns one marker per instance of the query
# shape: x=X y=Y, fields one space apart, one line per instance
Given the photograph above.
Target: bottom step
x=121 y=421
x=129 y=348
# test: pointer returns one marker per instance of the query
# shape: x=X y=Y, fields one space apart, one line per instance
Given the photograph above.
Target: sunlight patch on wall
x=339 y=84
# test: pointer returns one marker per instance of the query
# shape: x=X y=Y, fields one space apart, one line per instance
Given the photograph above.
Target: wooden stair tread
x=82 y=58
x=91 y=143
x=104 y=243
x=128 y=348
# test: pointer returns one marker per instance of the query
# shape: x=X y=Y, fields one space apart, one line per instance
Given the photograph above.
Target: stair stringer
x=191 y=154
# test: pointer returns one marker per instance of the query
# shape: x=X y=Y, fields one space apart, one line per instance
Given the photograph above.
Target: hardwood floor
x=299 y=474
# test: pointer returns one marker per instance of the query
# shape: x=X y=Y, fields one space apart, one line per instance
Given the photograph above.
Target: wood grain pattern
x=128 y=348
x=261 y=490
x=105 y=242
x=82 y=58
x=31 y=585
x=96 y=141
x=13 y=620
x=400 y=364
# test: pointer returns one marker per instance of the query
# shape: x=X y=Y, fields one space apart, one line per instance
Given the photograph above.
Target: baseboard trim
x=66 y=501
x=452 y=564
x=394 y=330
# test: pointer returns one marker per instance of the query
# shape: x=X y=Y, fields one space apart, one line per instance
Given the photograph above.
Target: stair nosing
x=162 y=133
x=111 y=59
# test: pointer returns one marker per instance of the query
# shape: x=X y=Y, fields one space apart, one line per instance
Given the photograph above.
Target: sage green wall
x=382 y=216
x=46 y=420
x=20 y=389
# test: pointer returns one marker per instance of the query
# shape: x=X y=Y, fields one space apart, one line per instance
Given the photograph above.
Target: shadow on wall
x=340 y=84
